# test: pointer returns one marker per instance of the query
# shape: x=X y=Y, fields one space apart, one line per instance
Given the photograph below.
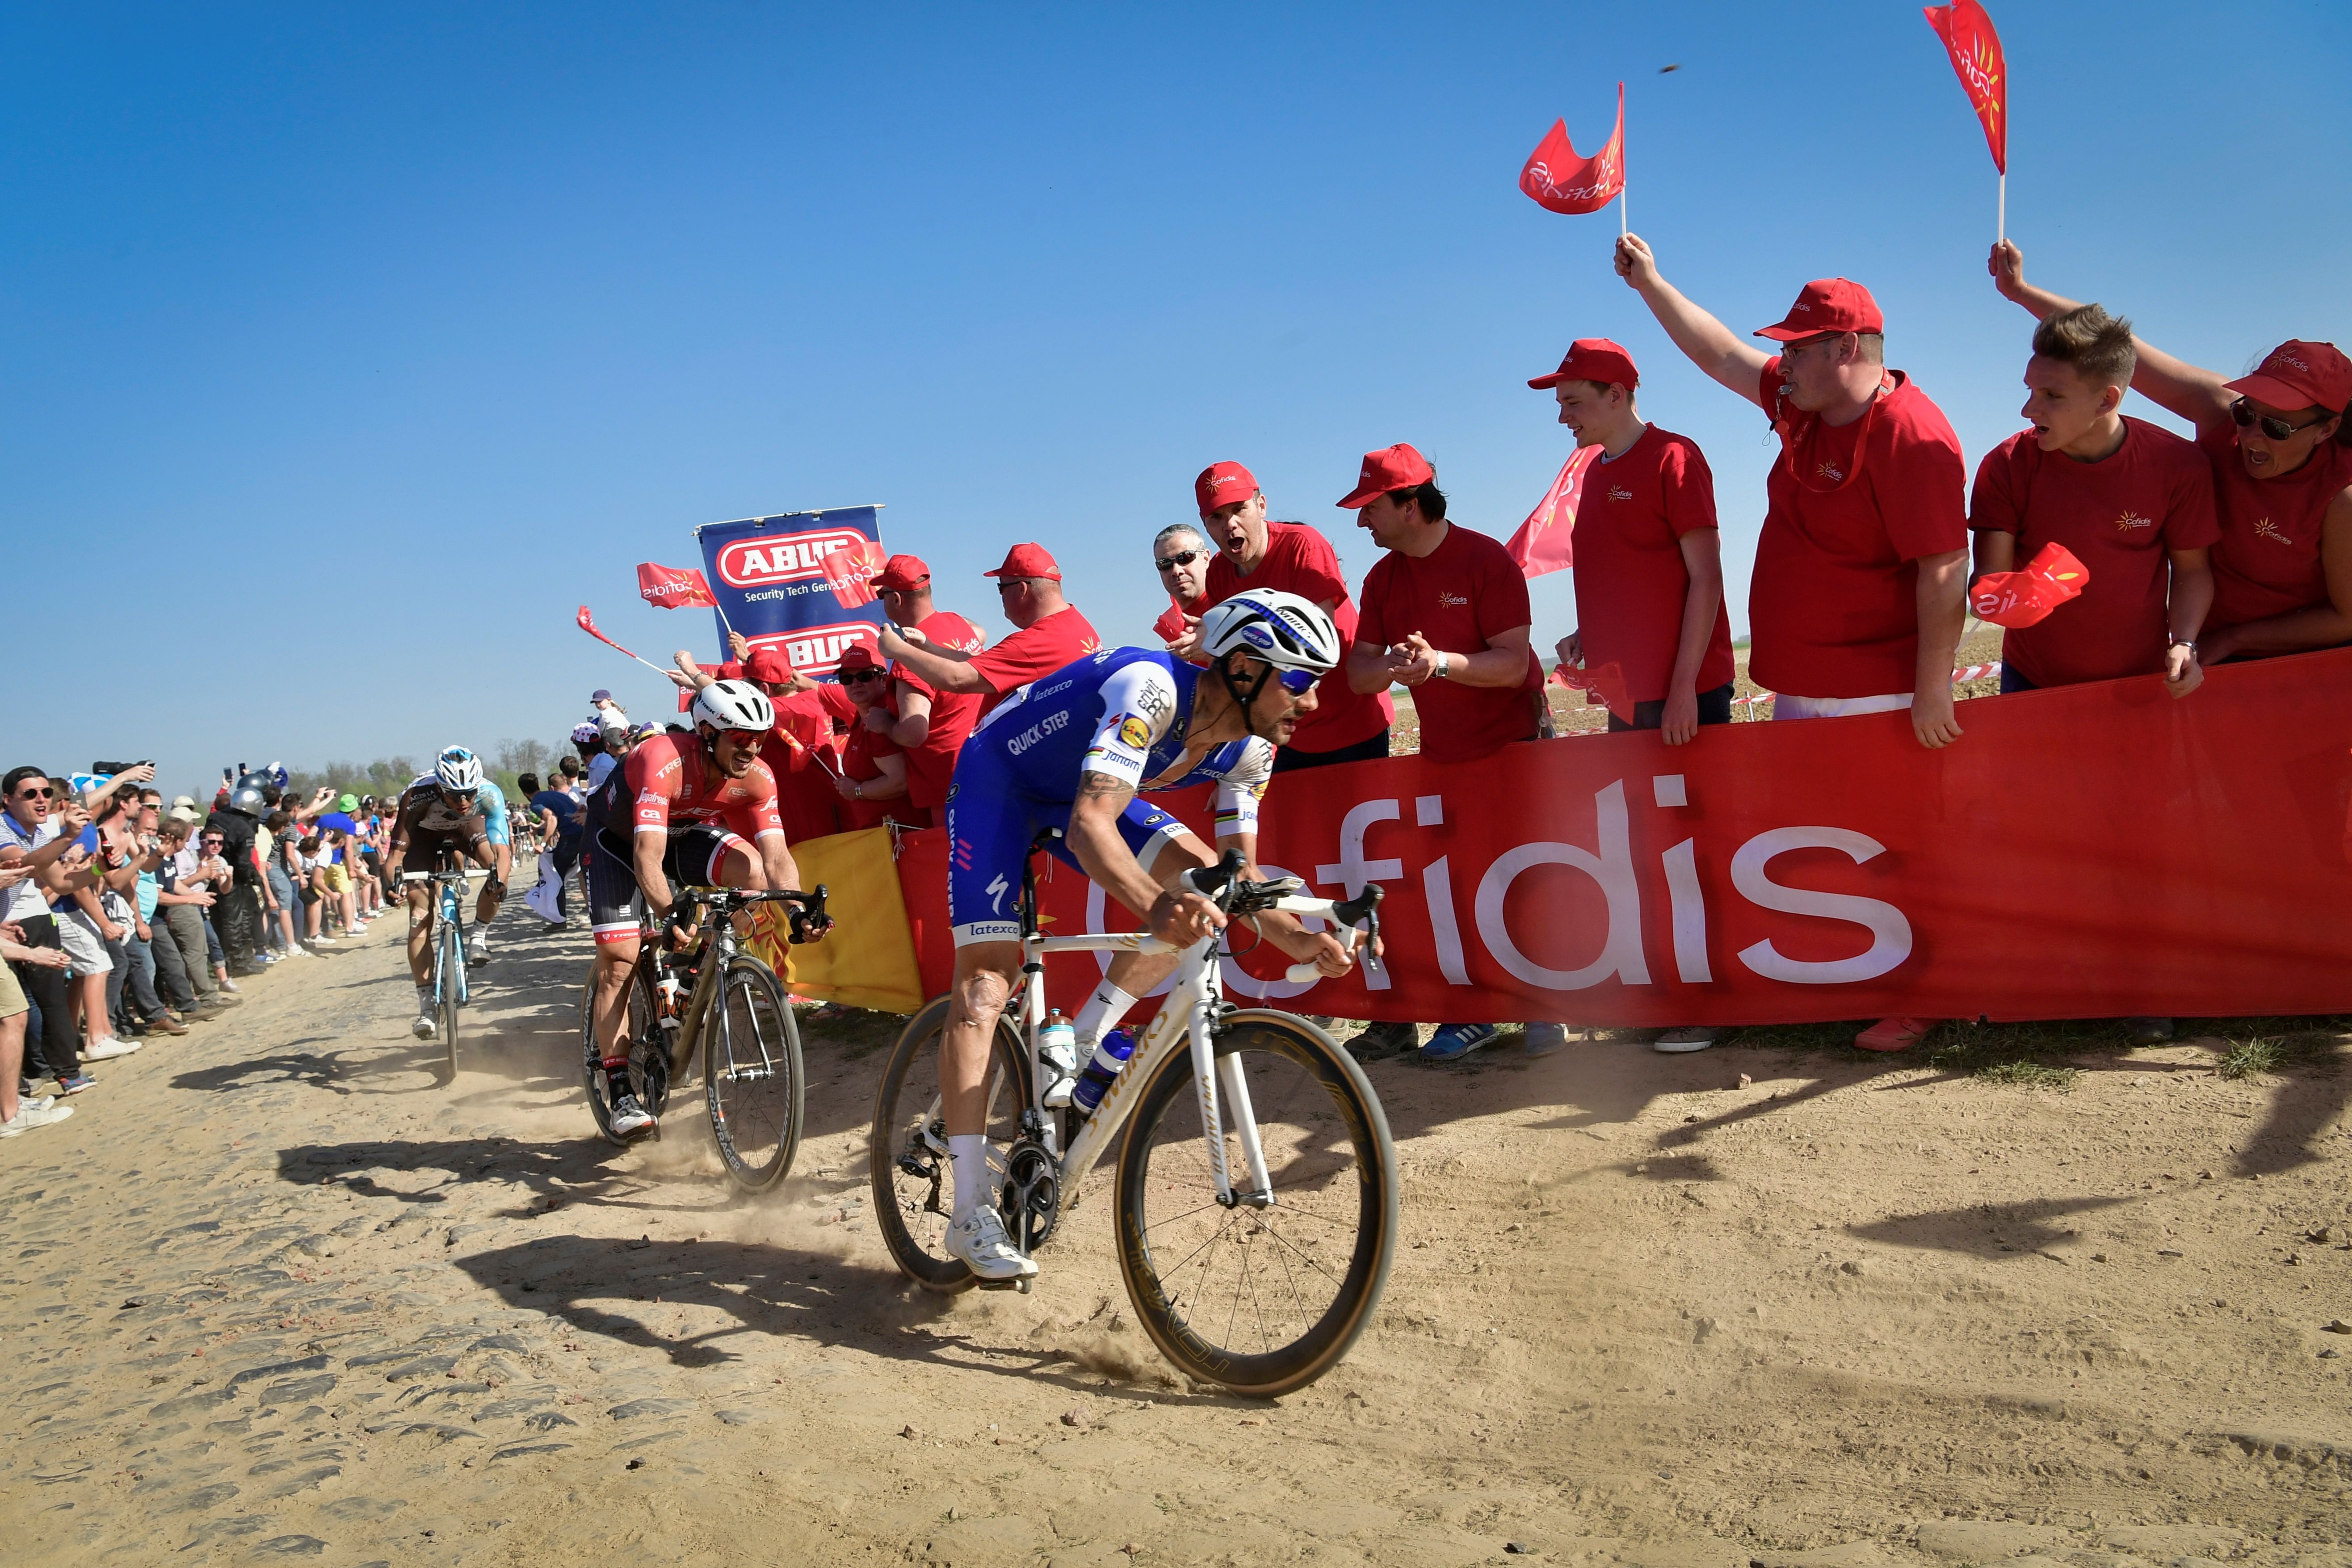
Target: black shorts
x=422 y=852
x=692 y=858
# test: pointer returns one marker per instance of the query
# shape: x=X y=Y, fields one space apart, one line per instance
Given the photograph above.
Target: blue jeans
x=213 y=951
x=2013 y=682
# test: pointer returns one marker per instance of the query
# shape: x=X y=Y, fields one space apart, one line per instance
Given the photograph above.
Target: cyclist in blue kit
x=1067 y=754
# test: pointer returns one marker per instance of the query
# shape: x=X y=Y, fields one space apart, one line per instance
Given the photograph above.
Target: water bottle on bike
x=1109 y=1056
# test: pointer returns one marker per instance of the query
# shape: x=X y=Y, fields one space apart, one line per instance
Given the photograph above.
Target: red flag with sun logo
x=1556 y=179
x=1975 y=48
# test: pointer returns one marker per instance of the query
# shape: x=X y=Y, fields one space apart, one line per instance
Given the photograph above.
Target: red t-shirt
x=931 y=765
x=2267 y=562
x=2120 y=515
x=1833 y=604
x=1457 y=596
x=1061 y=637
x=859 y=751
x=1631 y=578
x=667 y=781
x=1300 y=560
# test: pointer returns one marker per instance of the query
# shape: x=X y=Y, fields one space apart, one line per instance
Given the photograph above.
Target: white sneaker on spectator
x=106 y=1050
x=322 y=942
x=32 y=1113
x=225 y=983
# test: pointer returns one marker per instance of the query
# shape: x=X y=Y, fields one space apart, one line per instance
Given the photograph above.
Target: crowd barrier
x=2089 y=851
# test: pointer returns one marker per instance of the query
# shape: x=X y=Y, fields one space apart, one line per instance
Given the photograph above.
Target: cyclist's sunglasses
x=1297 y=682
x=1181 y=558
x=2277 y=429
x=746 y=740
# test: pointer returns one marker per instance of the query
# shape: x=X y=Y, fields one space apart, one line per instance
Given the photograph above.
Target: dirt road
x=279 y=1293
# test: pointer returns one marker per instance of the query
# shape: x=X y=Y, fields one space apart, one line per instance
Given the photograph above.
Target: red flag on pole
x=1544 y=542
x=1975 y=48
x=1556 y=179
x=588 y=623
x=2026 y=598
x=674 y=587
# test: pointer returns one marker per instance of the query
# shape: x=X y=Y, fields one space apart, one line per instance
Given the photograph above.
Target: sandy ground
x=277 y=1291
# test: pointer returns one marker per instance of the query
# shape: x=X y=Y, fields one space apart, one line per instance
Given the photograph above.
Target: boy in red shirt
x=2134 y=502
x=930 y=725
x=1347 y=725
x=1051 y=633
x=1649 y=562
x=1444 y=612
x=2275 y=442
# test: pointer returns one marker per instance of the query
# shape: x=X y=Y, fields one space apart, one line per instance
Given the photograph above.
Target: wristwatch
x=858 y=788
x=1444 y=665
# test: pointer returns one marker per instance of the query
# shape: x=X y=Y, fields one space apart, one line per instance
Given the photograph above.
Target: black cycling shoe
x=630 y=1120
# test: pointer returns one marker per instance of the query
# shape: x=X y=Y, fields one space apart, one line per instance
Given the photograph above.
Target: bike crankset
x=1033 y=1195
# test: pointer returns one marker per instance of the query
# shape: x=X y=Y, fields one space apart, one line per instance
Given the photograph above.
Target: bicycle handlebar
x=1360 y=916
x=443 y=876
x=806 y=923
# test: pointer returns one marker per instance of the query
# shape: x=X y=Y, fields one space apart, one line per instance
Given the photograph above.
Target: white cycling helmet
x=733 y=705
x=1283 y=629
x=457 y=770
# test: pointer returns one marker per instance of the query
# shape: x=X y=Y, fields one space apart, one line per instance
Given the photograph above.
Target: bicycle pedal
x=1021 y=1285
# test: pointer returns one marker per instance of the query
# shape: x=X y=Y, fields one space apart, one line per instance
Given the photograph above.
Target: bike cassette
x=1033 y=1195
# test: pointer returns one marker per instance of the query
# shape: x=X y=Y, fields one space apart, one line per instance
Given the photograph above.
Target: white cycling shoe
x=423 y=1027
x=980 y=1245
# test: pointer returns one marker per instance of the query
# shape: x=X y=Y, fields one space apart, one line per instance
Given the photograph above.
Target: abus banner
x=2089 y=851
x=798 y=581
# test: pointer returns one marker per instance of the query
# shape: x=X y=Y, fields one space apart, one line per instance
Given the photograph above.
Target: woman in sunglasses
x=873 y=779
x=2281 y=461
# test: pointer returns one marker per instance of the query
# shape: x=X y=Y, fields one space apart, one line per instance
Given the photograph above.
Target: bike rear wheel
x=914 y=1185
x=751 y=1075
x=639 y=1023
x=1261 y=1298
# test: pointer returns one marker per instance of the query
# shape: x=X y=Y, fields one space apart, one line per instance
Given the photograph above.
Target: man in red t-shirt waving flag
x=1977 y=59
x=1559 y=181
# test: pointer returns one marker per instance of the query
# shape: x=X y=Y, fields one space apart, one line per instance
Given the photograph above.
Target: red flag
x=674 y=587
x=1604 y=687
x=1543 y=543
x=588 y=623
x=2024 y=598
x=1559 y=181
x=849 y=571
x=1975 y=49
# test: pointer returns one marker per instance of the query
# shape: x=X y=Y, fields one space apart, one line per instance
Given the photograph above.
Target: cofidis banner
x=2083 y=851
x=798 y=581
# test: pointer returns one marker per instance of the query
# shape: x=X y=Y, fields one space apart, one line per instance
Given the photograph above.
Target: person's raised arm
x=2173 y=384
x=914 y=723
x=1711 y=345
x=944 y=669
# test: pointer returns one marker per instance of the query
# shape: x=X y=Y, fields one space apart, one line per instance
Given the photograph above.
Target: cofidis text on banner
x=799 y=581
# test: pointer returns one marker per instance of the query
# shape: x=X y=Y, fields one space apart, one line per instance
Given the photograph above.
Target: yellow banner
x=869 y=959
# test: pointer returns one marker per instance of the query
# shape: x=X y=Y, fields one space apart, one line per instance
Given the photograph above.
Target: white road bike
x=1257 y=1187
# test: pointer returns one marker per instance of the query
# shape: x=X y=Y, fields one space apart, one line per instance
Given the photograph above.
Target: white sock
x=424 y=1001
x=970 y=1152
x=1102 y=1015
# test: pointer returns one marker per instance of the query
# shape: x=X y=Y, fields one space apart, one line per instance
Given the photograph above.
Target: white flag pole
x=2004 y=204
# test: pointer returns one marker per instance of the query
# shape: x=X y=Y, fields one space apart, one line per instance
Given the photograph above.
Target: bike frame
x=450 y=884
x=1188 y=1017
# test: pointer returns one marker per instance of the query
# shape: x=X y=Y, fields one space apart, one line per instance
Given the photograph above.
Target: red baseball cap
x=1028 y=561
x=770 y=667
x=1394 y=467
x=1827 y=305
x=1593 y=358
x=902 y=573
x=858 y=656
x=2297 y=374
x=1223 y=484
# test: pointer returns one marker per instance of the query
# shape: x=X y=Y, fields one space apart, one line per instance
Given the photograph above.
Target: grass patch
x=2025 y=1074
x=2251 y=1053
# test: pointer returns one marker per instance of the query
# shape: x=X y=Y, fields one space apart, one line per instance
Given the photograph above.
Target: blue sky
x=346 y=352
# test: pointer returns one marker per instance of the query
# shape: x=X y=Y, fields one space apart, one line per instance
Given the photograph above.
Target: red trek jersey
x=2267 y=562
x=1061 y=637
x=2120 y=515
x=1834 y=606
x=1300 y=560
x=1457 y=596
x=1630 y=579
x=666 y=779
x=931 y=765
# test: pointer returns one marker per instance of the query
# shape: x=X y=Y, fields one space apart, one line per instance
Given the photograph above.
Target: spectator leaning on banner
x=1859 y=593
x=931 y=725
x=1179 y=553
x=1648 y=567
x=1049 y=633
x=2281 y=457
x=1445 y=613
x=873 y=782
x=1346 y=725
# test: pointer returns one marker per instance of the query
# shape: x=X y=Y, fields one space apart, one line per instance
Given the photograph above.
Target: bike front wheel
x=913 y=1179
x=1267 y=1295
x=451 y=980
x=751 y=1075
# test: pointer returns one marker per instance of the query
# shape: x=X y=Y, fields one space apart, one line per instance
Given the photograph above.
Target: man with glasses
x=700 y=810
x=2276 y=444
x=1859 y=593
x=439 y=810
x=930 y=724
x=1051 y=633
x=37 y=829
x=1179 y=553
x=1346 y=725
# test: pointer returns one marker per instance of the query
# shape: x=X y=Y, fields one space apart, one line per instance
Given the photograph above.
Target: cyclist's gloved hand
x=808 y=926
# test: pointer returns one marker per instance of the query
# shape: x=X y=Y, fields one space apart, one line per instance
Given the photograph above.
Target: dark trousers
x=238 y=918
x=171 y=977
x=51 y=1053
x=2012 y=681
x=188 y=934
x=1713 y=708
x=1289 y=759
x=145 y=1004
